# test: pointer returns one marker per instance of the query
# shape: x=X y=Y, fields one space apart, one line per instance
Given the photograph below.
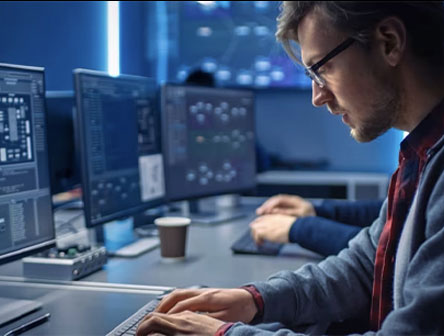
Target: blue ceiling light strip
x=162 y=41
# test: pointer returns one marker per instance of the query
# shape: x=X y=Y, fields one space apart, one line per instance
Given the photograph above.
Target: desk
x=75 y=310
x=209 y=261
x=97 y=309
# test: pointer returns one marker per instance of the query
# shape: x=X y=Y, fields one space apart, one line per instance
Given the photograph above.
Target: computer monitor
x=63 y=159
x=26 y=221
x=120 y=148
x=208 y=141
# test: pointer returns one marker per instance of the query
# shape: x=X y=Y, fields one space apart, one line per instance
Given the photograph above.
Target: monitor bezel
x=196 y=196
x=80 y=130
x=50 y=242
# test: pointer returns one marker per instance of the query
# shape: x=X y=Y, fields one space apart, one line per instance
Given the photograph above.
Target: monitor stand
x=121 y=240
x=13 y=309
x=212 y=215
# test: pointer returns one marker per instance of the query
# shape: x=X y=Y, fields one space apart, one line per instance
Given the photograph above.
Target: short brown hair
x=424 y=22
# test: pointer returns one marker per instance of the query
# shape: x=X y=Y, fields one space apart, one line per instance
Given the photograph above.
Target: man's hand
x=184 y=323
x=224 y=304
x=198 y=311
x=274 y=228
x=286 y=205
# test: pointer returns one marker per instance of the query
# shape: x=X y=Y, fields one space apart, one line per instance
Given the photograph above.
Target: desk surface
x=209 y=262
x=74 y=310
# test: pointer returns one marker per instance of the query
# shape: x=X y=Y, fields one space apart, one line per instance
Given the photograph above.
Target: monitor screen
x=208 y=141
x=64 y=168
x=26 y=222
x=233 y=40
x=120 y=148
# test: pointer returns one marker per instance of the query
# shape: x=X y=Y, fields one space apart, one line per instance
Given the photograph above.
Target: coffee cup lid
x=172 y=221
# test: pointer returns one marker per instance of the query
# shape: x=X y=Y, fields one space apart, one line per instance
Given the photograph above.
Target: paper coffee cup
x=173 y=236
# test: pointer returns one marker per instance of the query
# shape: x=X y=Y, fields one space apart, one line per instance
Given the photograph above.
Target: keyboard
x=246 y=245
x=135 y=249
x=129 y=326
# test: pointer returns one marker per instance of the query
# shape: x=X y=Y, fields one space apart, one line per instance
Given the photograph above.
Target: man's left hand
x=274 y=228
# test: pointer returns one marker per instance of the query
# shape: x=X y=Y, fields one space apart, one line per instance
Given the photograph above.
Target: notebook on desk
x=245 y=244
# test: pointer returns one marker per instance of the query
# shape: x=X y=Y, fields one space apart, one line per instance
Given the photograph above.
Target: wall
x=288 y=124
x=133 y=37
x=58 y=35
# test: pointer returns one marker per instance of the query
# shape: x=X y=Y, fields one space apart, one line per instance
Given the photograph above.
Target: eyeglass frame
x=311 y=71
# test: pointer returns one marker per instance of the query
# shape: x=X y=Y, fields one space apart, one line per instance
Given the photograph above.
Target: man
x=378 y=65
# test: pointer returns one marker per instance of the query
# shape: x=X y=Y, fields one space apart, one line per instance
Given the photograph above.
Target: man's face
x=359 y=86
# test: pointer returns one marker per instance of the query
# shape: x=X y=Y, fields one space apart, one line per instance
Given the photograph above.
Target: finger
x=201 y=303
x=270 y=204
x=176 y=296
x=255 y=221
x=256 y=234
x=260 y=225
x=282 y=211
x=155 y=323
x=291 y=212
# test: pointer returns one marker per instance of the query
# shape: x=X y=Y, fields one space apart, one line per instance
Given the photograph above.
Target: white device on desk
x=137 y=248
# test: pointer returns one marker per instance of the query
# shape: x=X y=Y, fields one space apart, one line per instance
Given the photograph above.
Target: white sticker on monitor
x=151 y=177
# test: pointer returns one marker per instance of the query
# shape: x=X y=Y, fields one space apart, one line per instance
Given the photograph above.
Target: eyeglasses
x=312 y=71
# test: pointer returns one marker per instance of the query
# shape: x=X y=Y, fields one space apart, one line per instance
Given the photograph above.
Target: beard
x=382 y=115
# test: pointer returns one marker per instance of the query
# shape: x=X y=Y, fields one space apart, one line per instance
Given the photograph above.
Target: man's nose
x=320 y=96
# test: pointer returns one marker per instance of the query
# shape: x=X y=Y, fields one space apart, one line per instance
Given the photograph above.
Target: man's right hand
x=231 y=305
x=286 y=205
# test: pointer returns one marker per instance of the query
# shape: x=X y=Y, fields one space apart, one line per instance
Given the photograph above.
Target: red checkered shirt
x=403 y=184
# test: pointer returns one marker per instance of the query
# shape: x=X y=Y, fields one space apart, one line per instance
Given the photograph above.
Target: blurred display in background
x=233 y=40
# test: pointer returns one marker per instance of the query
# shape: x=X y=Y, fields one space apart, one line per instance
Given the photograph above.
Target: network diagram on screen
x=233 y=40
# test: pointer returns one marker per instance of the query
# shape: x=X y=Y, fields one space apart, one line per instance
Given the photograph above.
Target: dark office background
x=61 y=35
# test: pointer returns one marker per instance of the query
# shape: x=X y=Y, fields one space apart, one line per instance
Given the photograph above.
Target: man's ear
x=391 y=39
